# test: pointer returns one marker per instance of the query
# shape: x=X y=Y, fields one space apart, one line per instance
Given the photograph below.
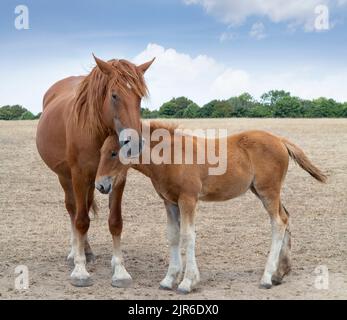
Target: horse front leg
x=173 y=236
x=121 y=278
x=187 y=207
x=79 y=276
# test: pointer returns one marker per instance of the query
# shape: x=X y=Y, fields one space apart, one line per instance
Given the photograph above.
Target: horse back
x=64 y=87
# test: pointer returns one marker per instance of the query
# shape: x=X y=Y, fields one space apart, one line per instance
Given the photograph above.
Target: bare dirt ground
x=233 y=238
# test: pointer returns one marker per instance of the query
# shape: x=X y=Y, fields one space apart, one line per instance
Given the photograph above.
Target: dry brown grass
x=231 y=244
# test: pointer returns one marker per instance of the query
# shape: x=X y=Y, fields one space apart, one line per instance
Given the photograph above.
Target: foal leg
x=284 y=265
x=187 y=207
x=279 y=223
x=121 y=278
x=173 y=236
x=79 y=276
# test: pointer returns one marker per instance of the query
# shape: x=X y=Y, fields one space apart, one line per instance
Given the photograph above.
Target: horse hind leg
x=285 y=264
x=80 y=276
x=70 y=206
x=270 y=197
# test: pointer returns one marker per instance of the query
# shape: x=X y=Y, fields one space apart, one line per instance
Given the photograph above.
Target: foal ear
x=144 y=67
x=103 y=66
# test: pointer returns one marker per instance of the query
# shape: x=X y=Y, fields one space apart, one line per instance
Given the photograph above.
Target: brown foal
x=256 y=160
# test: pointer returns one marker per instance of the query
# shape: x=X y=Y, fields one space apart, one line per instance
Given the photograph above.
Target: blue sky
x=205 y=49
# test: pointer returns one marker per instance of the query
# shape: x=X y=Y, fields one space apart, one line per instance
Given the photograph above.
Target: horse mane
x=91 y=93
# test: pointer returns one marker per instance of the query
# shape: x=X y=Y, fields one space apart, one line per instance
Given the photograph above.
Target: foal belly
x=216 y=189
x=222 y=196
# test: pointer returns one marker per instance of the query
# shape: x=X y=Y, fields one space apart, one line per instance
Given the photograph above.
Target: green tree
x=174 y=108
x=38 y=115
x=27 y=115
x=271 y=97
x=260 y=111
x=324 y=108
x=207 y=110
x=222 y=109
x=288 y=107
x=192 y=111
x=11 y=112
x=241 y=104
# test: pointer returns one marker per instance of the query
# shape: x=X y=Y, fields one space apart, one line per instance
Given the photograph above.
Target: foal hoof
x=70 y=261
x=165 y=288
x=122 y=283
x=276 y=280
x=90 y=257
x=81 y=283
x=182 y=291
x=265 y=286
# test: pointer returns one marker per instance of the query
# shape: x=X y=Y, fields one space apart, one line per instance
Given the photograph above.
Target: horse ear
x=144 y=67
x=103 y=66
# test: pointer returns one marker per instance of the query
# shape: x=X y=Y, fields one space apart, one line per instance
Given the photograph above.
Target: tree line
x=273 y=104
x=17 y=112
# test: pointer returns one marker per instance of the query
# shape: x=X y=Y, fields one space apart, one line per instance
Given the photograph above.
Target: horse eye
x=114 y=97
x=113 y=154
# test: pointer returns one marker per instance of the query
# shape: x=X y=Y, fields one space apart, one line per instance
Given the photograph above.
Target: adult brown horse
x=78 y=114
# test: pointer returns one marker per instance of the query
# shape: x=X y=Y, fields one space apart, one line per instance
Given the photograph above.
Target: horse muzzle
x=104 y=185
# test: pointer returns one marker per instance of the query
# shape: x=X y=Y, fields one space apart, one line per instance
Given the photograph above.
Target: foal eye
x=114 y=97
x=113 y=154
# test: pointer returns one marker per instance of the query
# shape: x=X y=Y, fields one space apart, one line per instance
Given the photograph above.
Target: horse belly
x=51 y=140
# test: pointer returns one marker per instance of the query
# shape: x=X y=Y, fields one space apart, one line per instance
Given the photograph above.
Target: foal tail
x=303 y=161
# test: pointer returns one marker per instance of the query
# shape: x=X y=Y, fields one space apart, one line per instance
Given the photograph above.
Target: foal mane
x=91 y=93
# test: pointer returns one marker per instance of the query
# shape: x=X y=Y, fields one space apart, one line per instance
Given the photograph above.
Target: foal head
x=110 y=165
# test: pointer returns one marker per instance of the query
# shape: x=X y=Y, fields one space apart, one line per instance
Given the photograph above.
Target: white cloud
x=202 y=79
x=227 y=36
x=258 y=31
x=294 y=12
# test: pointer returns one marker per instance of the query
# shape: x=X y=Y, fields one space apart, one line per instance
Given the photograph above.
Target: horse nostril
x=100 y=187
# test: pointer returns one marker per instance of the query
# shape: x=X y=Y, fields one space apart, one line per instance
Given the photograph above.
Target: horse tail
x=298 y=155
x=94 y=209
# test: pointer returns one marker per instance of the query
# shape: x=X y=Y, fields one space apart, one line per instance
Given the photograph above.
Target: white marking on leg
x=80 y=271
x=173 y=236
x=73 y=242
x=120 y=277
x=278 y=230
x=191 y=275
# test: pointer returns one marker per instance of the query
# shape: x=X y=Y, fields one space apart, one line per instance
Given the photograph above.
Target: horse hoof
x=81 y=282
x=122 y=283
x=165 y=288
x=265 y=286
x=276 y=280
x=182 y=291
x=90 y=257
